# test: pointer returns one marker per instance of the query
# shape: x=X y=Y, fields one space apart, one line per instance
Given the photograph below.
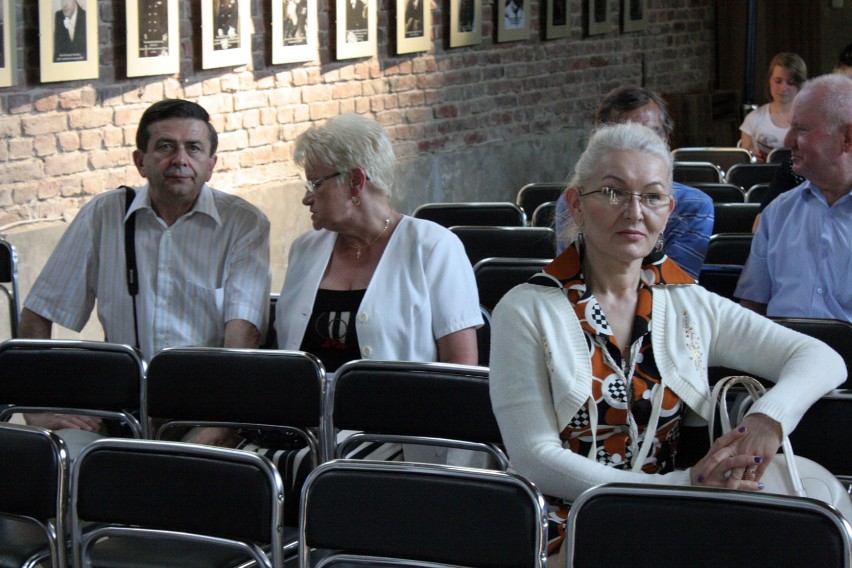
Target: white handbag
x=787 y=474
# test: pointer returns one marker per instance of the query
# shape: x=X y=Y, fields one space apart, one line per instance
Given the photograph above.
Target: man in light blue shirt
x=691 y=223
x=801 y=257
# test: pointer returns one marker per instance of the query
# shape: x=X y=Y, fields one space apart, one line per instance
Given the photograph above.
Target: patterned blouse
x=623 y=388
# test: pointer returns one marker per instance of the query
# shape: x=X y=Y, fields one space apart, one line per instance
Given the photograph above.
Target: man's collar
x=205 y=203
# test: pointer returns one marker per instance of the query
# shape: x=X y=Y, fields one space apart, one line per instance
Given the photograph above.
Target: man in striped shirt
x=202 y=255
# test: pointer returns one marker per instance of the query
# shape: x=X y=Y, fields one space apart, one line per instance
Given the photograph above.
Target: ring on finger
x=727 y=474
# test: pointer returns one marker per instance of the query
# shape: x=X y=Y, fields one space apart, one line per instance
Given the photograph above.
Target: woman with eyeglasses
x=369 y=282
x=597 y=362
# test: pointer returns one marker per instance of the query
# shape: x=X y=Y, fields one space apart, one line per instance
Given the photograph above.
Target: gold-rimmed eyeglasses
x=618 y=197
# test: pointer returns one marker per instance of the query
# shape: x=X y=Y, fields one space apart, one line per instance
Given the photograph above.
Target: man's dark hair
x=628 y=98
x=173 y=108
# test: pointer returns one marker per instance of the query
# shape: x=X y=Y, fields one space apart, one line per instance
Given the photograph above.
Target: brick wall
x=450 y=111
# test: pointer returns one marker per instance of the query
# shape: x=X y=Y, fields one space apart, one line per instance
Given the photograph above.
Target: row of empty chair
x=388 y=401
x=743 y=176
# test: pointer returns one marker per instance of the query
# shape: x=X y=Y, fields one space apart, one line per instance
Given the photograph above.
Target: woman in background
x=764 y=128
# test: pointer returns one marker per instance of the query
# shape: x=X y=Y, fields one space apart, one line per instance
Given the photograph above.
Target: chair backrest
x=746 y=175
x=544 y=215
x=497 y=275
x=150 y=490
x=483 y=336
x=271 y=339
x=723 y=157
x=703 y=527
x=722 y=192
x=513 y=242
x=721 y=279
x=534 y=194
x=498 y=214
x=696 y=172
x=436 y=404
x=9 y=283
x=734 y=217
x=779 y=155
x=757 y=192
x=33 y=484
x=423 y=514
x=270 y=389
x=728 y=248
x=73 y=377
x=837 y=334
x=824 y=434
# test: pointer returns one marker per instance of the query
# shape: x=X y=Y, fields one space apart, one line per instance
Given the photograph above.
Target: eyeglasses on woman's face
x=312 y=185
x=618 y=197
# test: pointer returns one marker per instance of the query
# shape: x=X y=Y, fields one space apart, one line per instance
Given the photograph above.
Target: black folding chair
x=696 y=172
x=147 y=503
x=358 y=513
x=534 y=194
x=498 y=214
x=274 y=393
x=734 y=217
x=721 y=279
x=728 y=248
x=723 y=157
x=746 y=175
x=431 y=404
x=513 y=242
x=703 y=527
x=90 y=378
x=837 y=334
x=779 y=155
x=497 y=275
x=757 y=192
x=9 y=283
x=33 y=498
x=544 y=215
x=722 y=192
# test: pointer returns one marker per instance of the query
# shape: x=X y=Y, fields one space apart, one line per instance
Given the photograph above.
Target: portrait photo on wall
x=225 y=39
x=513 y=21
x=68 y=39
x=294 y=31
x=152 y=37
x=557 y=19
x=7 y=44
x=597 y=17
x=465 y=22
x=634 y=15
x=356 y=28
x=413 y=26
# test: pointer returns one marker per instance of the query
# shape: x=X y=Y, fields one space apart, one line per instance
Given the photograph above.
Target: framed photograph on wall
x=152 y=37
x=294 y=31
x=557 y=19
x=356 y=28
x=225 y=33
x=465 y=22
x=634 y=15
x=413 y=26
x=597 y=16
x=68 y=39
x=8 y=45
x=513 y=20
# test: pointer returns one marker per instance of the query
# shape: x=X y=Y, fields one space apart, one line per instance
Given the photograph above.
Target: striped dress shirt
x=209 y=267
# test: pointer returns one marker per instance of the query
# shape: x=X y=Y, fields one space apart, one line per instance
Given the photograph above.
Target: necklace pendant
x=358 y=254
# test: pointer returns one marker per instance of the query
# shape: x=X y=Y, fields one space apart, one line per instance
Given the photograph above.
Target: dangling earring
x=661 y=243
x=356 y=201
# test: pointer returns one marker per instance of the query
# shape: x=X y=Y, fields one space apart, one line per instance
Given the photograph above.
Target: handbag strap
x=755 y=390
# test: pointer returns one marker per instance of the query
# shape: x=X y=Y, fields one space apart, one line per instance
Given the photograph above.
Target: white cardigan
x=423 y=289
x=541 y=374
